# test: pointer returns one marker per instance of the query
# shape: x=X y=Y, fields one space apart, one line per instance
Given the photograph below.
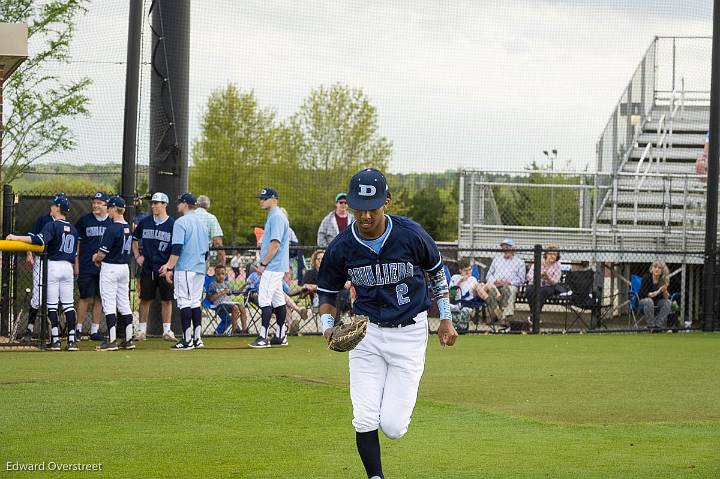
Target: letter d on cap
x=367 y=190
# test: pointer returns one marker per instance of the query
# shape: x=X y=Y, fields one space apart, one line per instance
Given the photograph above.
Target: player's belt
x=385 y=324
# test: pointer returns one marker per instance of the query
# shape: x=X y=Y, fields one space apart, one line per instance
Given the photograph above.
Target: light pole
x=551 y=156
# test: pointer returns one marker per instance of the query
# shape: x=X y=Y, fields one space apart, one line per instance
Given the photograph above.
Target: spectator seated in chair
x=654 y=296
x=309 y=283
x=218 y=293
x=550 y=274
x=504 y=278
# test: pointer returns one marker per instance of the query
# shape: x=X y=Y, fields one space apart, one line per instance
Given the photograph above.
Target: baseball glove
x=345 y=337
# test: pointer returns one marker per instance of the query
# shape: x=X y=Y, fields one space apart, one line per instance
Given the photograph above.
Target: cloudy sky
x=457 y=84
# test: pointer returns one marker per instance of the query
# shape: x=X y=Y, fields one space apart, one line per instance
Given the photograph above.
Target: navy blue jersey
x=116 y=243
x=391 y=285
x=155 y=242
x=60 y=239
x=139 y=216
x=38 y=225
x=90 y=231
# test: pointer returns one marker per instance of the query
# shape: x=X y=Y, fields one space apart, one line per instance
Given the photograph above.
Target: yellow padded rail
x=6 y=245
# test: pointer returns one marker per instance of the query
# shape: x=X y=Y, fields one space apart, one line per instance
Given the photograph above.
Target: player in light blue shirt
x=187 y=260
x=277 y=229
x=274 y=263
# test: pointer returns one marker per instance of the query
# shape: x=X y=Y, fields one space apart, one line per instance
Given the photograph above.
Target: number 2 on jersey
x=401 y=290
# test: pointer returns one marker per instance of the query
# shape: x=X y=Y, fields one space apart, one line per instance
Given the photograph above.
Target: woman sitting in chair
x=654 y=296
x=309 y=283
x=550 y=274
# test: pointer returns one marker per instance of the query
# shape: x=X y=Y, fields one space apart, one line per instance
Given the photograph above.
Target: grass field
x=626 y=406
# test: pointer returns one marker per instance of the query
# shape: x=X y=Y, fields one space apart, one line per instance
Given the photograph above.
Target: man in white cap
x=152 y=243
x=505 y=276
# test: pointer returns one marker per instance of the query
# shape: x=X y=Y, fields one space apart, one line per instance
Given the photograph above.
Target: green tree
x=238 y=142
x=428 y=209
x=340 y=133
x=40 y=102
x=539 y=206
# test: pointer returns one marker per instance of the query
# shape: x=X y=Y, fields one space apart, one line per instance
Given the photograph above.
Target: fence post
x=6 y=275
x=43 y=300
x=537 y=258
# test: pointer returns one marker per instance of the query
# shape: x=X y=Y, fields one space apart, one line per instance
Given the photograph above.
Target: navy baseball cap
x=188 y=198
x=62 y=201
x=367 y=190
x=116 y=201
x=101 y=196
x=267 y=193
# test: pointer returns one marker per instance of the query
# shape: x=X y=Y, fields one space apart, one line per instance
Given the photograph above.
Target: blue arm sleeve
x=176 y=249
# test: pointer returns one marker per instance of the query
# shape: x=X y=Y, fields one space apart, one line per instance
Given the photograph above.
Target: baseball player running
x=152 y=239
x=34 y=261
x=274 y=263
x=113 y=259
x=187 y=259
x=90 y=229
x=60 y=240
x=386 y=258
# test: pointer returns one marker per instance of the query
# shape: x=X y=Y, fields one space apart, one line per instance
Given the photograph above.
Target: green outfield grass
x=625 y=406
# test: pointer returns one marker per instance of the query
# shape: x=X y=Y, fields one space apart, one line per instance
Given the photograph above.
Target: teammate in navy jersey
x=60 y=239
x=90 y=229
x=386 y=258
x=34 y=261
x=113 y=259
x=151 y=248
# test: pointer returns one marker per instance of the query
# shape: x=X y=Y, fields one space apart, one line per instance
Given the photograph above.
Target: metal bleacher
x=644 y=195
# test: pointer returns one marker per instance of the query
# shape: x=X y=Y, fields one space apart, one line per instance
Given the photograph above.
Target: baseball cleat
x=169 y=336
x=198 y=343
x=140 y=336
x=259 y=342
x=55 y=346
x=275 y=341
x=127 y=345
x=97 y=337
x=183 y=346
x=107 y=346
x=72 y=346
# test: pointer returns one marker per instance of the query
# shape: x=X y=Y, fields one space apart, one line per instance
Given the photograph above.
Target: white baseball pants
x=385 y=372
x=115 y=288
x=36 y=279
x=188 y=288
x=60 y=285
x=270 y=292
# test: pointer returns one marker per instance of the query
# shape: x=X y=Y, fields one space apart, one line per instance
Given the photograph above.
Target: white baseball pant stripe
x=188 y=287
x=60 y=285
x=385 y=371
x=270 y=292
x=115 y=288
x=36 y=279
